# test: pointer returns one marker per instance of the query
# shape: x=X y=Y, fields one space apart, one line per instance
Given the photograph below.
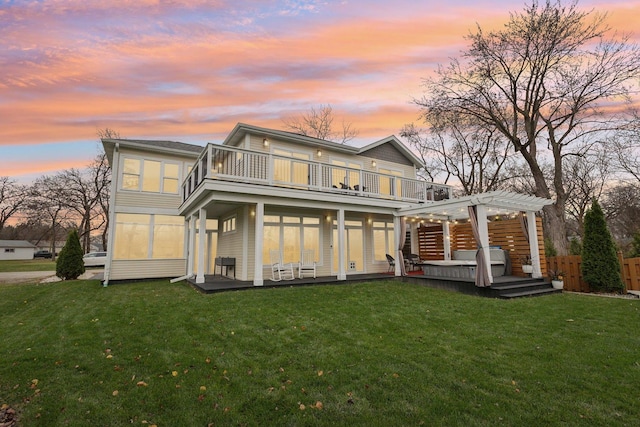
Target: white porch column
x=533 y=244
x=259 y=243
x=396 y=243
x=191 y=245
x=342 y=253
x=202 y=237
x=446 y=240
x=415 y=244
x=483 y=230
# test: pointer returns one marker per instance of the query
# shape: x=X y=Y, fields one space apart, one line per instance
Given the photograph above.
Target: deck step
x=530 y=293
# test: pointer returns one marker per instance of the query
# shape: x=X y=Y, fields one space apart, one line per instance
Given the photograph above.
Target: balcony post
x=259 y=242
x=209 y=159
x=342 y=253
x=202 y=236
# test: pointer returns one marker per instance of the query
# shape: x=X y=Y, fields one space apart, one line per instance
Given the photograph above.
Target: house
x=16 y=250
x=264 y=193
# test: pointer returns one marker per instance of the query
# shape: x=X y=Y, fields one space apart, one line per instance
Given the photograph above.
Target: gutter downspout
x=112 y=213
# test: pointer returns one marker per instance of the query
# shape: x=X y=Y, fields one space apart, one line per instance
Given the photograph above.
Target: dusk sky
x=190 y=70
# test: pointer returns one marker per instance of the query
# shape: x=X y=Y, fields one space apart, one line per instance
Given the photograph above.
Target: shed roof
x=16 y=244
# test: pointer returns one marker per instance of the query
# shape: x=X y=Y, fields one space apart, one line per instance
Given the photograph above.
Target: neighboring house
x=175 y=207
x=16 y=250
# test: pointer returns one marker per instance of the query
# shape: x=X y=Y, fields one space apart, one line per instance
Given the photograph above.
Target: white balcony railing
x=234 y=164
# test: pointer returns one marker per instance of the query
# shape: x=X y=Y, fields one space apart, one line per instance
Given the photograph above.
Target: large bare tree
x=544 y=81
x=318 y=123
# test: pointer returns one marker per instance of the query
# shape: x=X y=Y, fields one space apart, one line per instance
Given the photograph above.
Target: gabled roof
x=241 y=129
x=163 y=146
x=16 y=244
x=398 y=145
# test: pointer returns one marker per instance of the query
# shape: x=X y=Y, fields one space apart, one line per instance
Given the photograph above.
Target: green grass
x=375 y=354
x=37 y=264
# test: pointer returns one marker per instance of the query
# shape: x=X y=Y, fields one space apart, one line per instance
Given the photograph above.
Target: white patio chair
x=307 y=264
x=279 y=270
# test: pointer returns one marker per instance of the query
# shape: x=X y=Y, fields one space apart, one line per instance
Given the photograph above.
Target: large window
x=347 y=177
x=386 y=186
x=142 y=236
x=291 y=171
x=383 y=240
x=150 y=175
x=290 y=234
x=168 y=237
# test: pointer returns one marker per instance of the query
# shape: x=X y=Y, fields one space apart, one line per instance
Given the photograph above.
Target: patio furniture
x=392 y=263
x=307 y=264
x=413 y=261
x=225 y=262
x=279 y=270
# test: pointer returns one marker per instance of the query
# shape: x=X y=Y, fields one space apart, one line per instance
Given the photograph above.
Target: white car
x=95 y=259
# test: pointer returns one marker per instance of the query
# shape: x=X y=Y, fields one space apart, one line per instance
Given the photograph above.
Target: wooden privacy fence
x=504 y=233
x=570 y=267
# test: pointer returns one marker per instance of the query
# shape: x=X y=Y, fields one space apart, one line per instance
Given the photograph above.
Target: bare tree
x=84 y=192
x=318 y=123
x=472 y=154
x=12 y=198
x=585 y=179
x=101 y=171
x=543 y=81
x=621 y=205
x=47 y=203
x=626 y=145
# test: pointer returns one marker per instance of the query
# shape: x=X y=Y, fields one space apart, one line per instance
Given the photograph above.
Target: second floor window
x=150 y=175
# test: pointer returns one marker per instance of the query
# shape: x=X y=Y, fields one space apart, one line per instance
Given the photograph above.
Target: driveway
x=44 y=276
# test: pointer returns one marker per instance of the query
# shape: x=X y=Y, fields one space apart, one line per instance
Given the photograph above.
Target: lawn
x=375 y=354
x=37 y=264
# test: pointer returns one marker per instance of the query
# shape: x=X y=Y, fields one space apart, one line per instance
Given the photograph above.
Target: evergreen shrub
x=70 y=264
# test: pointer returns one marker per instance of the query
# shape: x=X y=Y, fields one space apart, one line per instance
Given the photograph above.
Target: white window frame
x=389 y=226
x=230 y=225
x=141 y=160
x=281 y=224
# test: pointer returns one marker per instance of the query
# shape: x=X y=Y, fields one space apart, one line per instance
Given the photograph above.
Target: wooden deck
x=503 y=287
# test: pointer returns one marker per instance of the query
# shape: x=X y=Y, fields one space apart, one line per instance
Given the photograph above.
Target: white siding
x=147 y=268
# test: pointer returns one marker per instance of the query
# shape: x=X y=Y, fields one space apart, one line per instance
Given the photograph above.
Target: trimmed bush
x=600 y=263
x=70 y=265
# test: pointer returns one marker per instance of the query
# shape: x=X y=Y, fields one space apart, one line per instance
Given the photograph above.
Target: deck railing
x=234 y=164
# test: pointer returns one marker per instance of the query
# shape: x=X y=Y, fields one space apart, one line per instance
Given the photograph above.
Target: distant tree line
x=53 y=205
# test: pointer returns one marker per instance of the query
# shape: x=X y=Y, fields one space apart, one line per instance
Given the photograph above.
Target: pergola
x=476 y=208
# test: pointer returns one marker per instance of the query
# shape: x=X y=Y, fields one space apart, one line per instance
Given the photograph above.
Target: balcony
x=223 y=163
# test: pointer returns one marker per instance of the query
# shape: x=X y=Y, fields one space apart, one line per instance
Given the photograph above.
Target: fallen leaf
x=141 y=384
x=115 y=393
x=395 y=375
x=174 y=373
x=203 y=388
x=302 y=407
x=318 y=405
x=320 y=373
x=109 y=356
x=207 y=360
